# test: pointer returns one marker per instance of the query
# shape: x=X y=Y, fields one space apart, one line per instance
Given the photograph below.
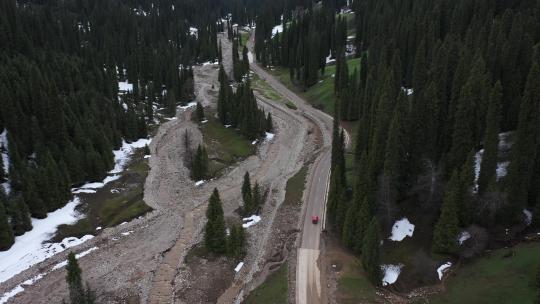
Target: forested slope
x=447 y=103
x=61 y=112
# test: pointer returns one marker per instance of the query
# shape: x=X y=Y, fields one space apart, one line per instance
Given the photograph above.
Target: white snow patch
x=77 y=191
x=193 y=31
x=147 y=156
x=199 y=183
x=127 y=233
x=250 y=57
x=10 y=294
x=502 y=167
x=528 y=217
x=204 y=121
x=98 y=228
x=254 y=142
x=391 y=273
x=402 y=229
x=29 y=248
x=277 y=29
x=189 y=105
x=463 y=236
x=77 y=256
x=329 y=59
x=228 y=126
x=408 y=91
x=442 y=269
x=5 y=159
x=250 y=221
x=122 y=155
x=124 y=87
x=269 y=136
x=238 y=267
x=123 y=223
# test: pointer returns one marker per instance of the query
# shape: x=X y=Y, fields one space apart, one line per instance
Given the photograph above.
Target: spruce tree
x=74 y=281
x=199 y=112
x=236 y=242
x=488 y=166
x=199 y=167
x=371 y=252
x=247 y=195
x=214 y=232
x=20 y=216
x=446 y=230
x=256 y=197
x=6 y=233
x=524 y=149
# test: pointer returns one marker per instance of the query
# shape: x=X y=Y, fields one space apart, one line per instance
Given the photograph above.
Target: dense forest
x=62 y=113
x=447 y=104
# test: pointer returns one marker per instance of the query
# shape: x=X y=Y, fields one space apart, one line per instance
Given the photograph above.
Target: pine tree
x=74 y=281
x=199 y=168
x=236 y=242
x=525 y=145
x=269 y=123
x=446 y=230
x=199 y=112
x=488 y=166
x=247 y=195
x=20 y=216
x=371 y=252
x=170 y=105
x=214 y=233
x=6 y=234
x=256 y=197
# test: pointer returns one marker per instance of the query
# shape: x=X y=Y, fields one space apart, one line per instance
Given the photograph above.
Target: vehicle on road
x=315 y=219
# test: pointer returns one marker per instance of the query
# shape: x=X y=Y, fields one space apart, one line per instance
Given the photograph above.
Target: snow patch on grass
x=401 y=229
x=250 y=221
x=441 y=270
x=463 y=236
x=390 y=273
x=199 y=183
x=528 y=217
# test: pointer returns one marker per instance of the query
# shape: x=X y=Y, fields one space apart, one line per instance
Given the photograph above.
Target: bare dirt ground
x=143 y=261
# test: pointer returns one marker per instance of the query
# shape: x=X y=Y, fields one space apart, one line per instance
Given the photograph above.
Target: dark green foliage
x=247 y=195
x=20 y=216
x=199 y=167
x=488 y=166
x=526 y=143
x=214 y=232
x=199 y=112
x=236 y=242
x=447 y=227
x=6 y=234
x=371 y=252
x=240 y=110
x=74 y=280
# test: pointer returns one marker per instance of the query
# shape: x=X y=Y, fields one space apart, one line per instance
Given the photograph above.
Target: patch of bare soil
x=207 y=278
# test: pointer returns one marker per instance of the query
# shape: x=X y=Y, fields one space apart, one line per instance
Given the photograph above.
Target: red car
x=314 y=219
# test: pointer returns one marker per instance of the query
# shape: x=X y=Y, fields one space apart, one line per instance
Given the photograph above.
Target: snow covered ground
x=250 y=221
x=20 y=288
x=30 y=248
x=401 y=229
x=390 y=273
